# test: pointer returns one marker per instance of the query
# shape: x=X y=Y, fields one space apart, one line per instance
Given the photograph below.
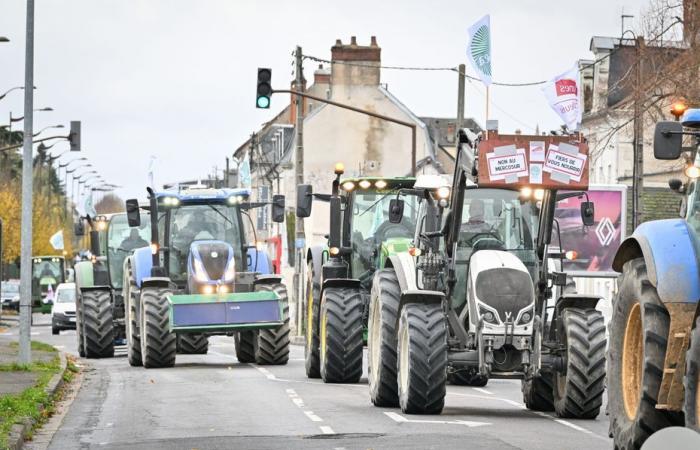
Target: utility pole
x=638 y=152
x=25 y=310
x=460 y=100
x=299 y=243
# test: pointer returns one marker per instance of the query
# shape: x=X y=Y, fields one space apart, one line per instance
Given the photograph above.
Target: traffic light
x=678 y=108
x=74 y=136
x=264 y=91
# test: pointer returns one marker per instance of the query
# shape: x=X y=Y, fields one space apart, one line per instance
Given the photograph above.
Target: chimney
x=355 y=65
x=322 y=75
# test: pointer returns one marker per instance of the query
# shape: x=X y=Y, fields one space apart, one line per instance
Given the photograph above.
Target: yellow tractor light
x=207 y=289
x=678 y=108
x=539 y=194
x=526 y=192
x=571 y=255
x=380 y=184
x=348 y=186
x=339 y=168
x=443 y=192
x=692 y=172
x=364 y=184
x=334 y=251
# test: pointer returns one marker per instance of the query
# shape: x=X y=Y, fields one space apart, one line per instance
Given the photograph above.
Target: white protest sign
x=565 y=163
x=507 y=163
x=536 y=151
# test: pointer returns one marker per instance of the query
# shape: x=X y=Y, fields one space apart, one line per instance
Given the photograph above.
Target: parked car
x=63 y=311
x=10 y=295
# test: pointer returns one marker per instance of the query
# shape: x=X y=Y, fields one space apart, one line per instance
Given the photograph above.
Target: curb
x=20 y=431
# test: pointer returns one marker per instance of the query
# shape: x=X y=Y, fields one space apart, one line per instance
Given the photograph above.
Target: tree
x=109 y=204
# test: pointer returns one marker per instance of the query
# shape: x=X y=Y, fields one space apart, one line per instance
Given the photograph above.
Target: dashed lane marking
x=312 y=416
x=326 y=429
x=396 y=417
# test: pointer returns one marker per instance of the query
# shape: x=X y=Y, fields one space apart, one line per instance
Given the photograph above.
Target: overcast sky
x=176 y=78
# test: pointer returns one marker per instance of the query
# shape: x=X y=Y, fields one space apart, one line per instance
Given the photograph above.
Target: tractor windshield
x=201 y=222
x=370 y=228
x=122 y=241
x=693 y=206
x=47 y=272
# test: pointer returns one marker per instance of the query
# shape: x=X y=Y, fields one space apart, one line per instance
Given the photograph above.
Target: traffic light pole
x=299 y=234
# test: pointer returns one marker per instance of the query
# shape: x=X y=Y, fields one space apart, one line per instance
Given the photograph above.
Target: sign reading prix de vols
x=552 y=162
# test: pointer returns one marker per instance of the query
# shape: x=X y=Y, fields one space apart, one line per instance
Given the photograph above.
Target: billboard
x=595 y=245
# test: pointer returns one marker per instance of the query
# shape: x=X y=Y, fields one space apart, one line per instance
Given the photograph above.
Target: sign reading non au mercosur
x=507 y=163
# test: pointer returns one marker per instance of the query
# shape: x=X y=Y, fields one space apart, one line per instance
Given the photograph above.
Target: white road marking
x=292 y=392
x=401 y=419
x=35 y=333
x=265 y=372
x=483 y=391
x=312 y=416
x=326 y=429
x=299 y=402
x=59 y=346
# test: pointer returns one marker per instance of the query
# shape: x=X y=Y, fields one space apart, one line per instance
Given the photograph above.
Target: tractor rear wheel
x=272 y=347
x=538 y=392
x=691 y=407
x=192 y=344
x=245 y=345
x=422 y=359
x=158 y=344
x=79 y=331
x=381 y=338
x=98 y=324
x=340 y=334
x=312 y=357
x=467 y=377
x=578 y=394
x=133 y=341
x=638 y=332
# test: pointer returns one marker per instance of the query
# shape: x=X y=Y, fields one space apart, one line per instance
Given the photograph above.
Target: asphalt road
x=214 y=402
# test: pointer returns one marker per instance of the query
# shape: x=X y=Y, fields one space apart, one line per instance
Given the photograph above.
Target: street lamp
x=4 y=39
x=17 y=119
x=13 y=89
x=47 y=128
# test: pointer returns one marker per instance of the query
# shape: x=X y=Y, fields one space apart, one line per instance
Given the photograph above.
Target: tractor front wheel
x=422 y=359
x=158 y=344
x=97 y=323
x=638 y=333
x=312 y=357
x=340 y=334
x=133 y=340
x=691 y=407
x=272 y=346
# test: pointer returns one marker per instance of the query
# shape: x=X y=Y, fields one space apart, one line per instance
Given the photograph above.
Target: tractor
x=654 y=351
x=478 y=296
x=371 y=218
x=200 y=277
x=47 y=273
x=99 y=303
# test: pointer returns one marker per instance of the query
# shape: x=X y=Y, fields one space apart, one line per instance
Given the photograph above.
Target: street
x=213 y=402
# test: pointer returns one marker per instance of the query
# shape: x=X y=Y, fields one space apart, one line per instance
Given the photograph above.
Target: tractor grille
x=506 y=290
x=215 y=266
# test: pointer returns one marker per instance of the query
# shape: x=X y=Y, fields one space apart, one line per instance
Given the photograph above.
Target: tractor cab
x=47 y=273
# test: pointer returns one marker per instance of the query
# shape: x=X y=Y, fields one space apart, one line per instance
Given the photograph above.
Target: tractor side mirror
x=396 y=210
x=79 y=229
x=668 y=140
x=304 y=200
x=278 y=208
x=133 y=214
x=587 y=213
x=95 y=243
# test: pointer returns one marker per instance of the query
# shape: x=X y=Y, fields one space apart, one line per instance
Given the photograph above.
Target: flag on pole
x=563 y=93
x=151 y=169
x=90 y=207
x=479 y=48
x=56 y=240
x=244 y=179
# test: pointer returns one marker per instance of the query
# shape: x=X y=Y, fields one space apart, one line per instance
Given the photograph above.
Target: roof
x=196 y=195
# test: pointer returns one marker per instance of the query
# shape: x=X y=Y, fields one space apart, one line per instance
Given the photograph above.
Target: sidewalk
x=16 y=381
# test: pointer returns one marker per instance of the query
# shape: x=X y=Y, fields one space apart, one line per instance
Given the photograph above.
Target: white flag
x=56 y=240
x=479 y=48
x=244 y=179
x=563 y=93
x=90 y=207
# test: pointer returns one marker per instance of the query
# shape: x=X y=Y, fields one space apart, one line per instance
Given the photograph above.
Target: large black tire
x=578 y=394
x=467 y=377
x=98 y=323
x=312 y=308
x=245 y=345
x=192 y=344
x=79 y=332
x=422 y=359
x=538 y=394
x=381 y=338
x=691 y=406
x=638 y=333
x=158 y=344
x=133 y=340
x=272 y=347
x=340 y=334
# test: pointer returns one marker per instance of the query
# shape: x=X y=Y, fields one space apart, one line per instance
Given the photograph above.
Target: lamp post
x=10 y=90
x=48 y=128
x=18 y=119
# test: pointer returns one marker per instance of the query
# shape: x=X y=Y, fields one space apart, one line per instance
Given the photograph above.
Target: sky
x=174 y=80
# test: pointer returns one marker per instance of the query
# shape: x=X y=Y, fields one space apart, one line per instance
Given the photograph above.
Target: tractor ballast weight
x=199 y=277
x=656 y=311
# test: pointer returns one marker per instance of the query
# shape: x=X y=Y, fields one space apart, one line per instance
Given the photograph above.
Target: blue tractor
x=654 y=333
x=199 y=277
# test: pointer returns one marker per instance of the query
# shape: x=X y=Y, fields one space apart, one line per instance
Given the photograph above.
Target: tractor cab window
x=190 y=223
x=370 y=228
x=693 y=205
x=122 y=241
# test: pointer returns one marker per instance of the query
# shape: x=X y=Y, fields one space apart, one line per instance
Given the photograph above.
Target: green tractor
x=371 y=218
x=47 y=273
x=99 y=301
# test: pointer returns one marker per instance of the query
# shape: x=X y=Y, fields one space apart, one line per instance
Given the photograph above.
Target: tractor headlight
x=171 y=201
x=235 y=200
x=230 y=272
x=348 y=186
x=364 y=184
x=200 y=274
x=443 y=192
x=488 y=315
x=525 y=316
x=380 y=184
x=207 y=289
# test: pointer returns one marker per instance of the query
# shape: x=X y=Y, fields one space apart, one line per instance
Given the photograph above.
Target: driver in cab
x=476 y=224
x=197 y=228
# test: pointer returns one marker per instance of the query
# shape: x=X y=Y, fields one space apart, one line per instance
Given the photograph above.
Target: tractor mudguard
x=405 y=268
x=84 y=276
x=315 y=255
x=577 y=301
x=142 y=261
x=258 y=261
x=669 y=249
x=340 y=283
x=267 y=279
x=423 y=297
x=156 y=282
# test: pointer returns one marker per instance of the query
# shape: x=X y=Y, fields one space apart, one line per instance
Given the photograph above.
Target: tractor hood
x=501 y=281
x=211 y=261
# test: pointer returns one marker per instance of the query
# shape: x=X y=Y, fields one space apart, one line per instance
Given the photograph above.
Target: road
x=214 y=402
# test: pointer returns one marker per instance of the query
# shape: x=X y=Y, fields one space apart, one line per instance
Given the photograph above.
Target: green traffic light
x=263 y=102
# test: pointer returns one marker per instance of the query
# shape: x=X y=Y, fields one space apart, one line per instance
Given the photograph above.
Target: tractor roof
x=391 y=182
x=197 y=195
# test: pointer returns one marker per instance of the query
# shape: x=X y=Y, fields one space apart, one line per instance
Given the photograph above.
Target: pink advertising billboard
x=596 y=245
